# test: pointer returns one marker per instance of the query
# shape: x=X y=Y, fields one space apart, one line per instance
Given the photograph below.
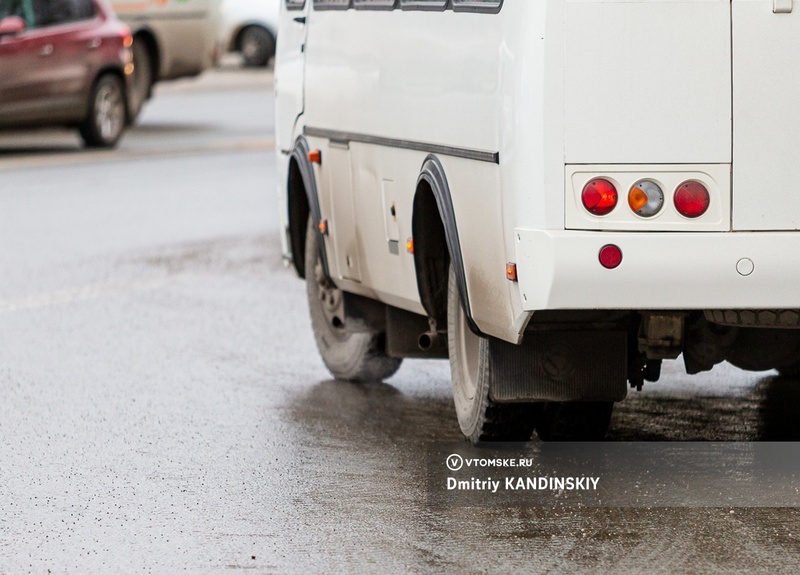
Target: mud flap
x=560 y=366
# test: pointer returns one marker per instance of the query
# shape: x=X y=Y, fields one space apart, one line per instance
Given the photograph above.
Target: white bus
x=171 y=39
x=555 y=194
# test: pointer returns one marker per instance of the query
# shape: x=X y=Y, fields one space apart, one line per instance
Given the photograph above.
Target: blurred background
x=92 y=66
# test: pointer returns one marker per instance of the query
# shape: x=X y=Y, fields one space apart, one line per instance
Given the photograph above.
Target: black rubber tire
x=480 y=418
x=142 y=81
x=106 y=118
x=357 y=357
x=573 y=420
x=257 y=46
x=790 y=371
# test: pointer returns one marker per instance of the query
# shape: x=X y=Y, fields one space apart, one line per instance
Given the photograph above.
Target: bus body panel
x=410 y=96
x=647 y=82
x=415 y=93
x=659 y=271
x=290 y=74
x=766 y=146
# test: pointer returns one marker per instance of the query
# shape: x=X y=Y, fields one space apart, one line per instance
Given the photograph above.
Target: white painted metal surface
x=647 y=82
x=766 y=126
x=561 y=270
x=289 y=76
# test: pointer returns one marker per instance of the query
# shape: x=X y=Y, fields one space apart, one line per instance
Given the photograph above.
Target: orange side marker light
x=511 y=271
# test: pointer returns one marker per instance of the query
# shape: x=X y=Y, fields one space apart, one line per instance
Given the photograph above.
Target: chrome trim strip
x=466 y=153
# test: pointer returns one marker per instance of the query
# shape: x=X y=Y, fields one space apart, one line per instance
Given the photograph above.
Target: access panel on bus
x=766 y=114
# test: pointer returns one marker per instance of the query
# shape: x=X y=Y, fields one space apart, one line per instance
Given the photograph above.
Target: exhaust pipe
x=432 y=340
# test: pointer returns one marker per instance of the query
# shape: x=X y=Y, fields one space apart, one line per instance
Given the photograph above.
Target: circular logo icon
x=455 y=462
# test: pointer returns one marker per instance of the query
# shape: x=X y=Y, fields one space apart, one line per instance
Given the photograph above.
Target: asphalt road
x=164 y=409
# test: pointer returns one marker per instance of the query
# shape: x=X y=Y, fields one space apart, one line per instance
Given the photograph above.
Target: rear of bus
x=679 y=126
x=588 y=188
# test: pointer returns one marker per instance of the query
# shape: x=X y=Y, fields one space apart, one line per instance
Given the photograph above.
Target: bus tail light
x=599 y=196
x=692 y=199
x=646 y=198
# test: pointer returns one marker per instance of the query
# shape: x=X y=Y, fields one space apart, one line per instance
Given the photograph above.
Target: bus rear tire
x=349 y=356
x=480 y=418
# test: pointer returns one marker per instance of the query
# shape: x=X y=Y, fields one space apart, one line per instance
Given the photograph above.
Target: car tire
x=349 y=356
x=257 y=46
x=142 y=81
x=573 y=420
x=105 y=120
x=472 y=373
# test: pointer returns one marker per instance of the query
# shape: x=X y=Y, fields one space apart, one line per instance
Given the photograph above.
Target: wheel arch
x=110 y=69
x=153 y=50
x=302 y=203
x=436 y=243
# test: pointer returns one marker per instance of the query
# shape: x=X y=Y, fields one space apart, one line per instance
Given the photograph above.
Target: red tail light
x=599 y=196
x=692 y=199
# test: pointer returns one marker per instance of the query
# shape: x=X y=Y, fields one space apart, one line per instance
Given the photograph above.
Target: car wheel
x=573 y=420
x=257 y=46
x=106 y=119
x=350 y=356
x=142 y=80
x=472 y=372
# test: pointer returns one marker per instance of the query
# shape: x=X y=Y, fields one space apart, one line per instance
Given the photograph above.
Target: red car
x=65 y=63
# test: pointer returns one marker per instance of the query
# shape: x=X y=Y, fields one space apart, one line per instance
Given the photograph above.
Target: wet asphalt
x=164 y=409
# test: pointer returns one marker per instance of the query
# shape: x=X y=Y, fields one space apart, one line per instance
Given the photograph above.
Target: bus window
x=423 y=4
x=331 y=4
x=477 y=5
x=374 y=4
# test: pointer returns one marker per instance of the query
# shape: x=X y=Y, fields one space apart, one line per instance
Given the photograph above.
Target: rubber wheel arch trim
x=433 y=174
x=300 y=155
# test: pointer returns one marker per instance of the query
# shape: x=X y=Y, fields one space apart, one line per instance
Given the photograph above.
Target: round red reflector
x=692 y=199
x=610 y=256
x=599 y=196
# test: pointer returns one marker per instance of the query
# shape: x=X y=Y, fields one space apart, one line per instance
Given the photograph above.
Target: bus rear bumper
x=680 y=271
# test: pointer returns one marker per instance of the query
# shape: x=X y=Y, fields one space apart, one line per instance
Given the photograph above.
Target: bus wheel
x=480 y=418
x=350 y=356
x=573 y=420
